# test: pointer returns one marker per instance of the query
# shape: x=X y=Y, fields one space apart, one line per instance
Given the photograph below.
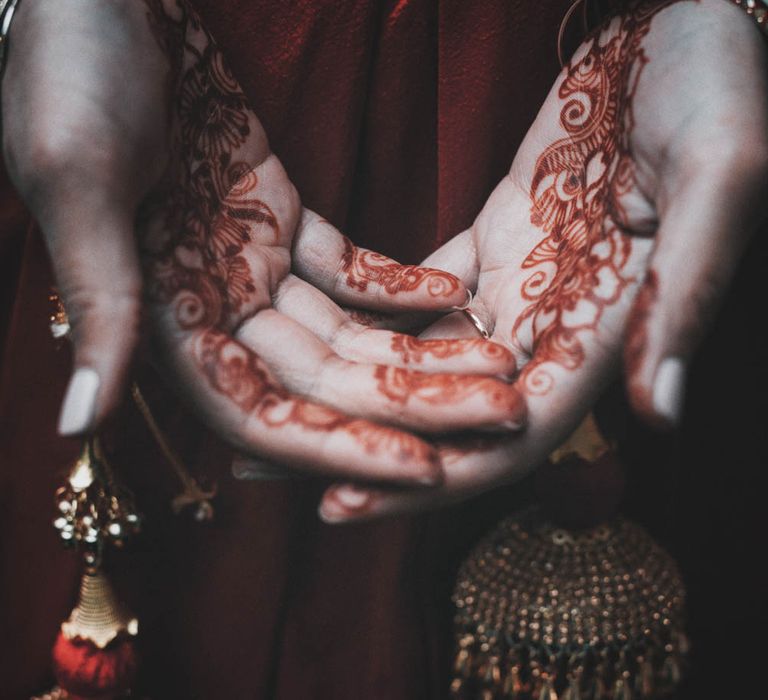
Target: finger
x=438 y=402
x=359 y=277
x=470 y=469
x=353 y=341
x=92 y=249
x=700 y=240
x=558 y=396
x=237 y=395
x=459 y=257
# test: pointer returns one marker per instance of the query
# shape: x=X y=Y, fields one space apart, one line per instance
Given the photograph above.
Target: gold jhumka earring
x=544 y=612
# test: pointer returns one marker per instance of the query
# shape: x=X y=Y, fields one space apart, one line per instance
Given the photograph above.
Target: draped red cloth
x=395 y=119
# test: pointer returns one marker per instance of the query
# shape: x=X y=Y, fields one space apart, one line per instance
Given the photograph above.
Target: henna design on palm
x=576 y=191
x=210 y=224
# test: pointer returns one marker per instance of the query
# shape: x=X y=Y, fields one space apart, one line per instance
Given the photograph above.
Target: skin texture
x=614 y=234
x=163 y=199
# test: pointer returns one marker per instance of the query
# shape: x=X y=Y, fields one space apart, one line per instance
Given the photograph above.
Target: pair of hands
x=617 y=229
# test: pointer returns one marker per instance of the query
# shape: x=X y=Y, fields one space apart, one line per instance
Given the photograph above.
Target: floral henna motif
x=576 y=195
x=413 y=350
x=239 y=374
x=378 y=439
x=198 y=230
x=364 y=266
x=195 y=261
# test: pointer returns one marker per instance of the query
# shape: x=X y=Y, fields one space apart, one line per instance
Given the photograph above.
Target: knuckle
x=342 y=337
x=50 y=149
x=49 y=157
x=109 y=309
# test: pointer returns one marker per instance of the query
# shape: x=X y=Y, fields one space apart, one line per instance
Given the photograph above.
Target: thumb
x=96 y=268
x=700 y=239
x=459 y=257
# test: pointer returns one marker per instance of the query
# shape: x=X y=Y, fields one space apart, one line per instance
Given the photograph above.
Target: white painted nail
x=351 y=497
x=668 y=388
x=79 y=406
x=331 y=515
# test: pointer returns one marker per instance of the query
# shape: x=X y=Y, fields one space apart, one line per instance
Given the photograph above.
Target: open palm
x=618 y=225
x=218 y=240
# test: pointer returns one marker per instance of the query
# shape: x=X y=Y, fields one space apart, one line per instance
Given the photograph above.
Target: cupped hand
x=170 y=150
x=615 y=233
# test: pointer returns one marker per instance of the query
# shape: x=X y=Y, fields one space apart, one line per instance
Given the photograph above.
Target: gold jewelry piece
x=544 y=613
x=98 y=616
x=757 y=9
x=467 y=303
x=93 y=509
x=7 y=8
x=466 y=309
x=477 y=323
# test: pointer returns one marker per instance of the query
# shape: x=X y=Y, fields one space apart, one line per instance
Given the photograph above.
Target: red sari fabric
x=395 y=119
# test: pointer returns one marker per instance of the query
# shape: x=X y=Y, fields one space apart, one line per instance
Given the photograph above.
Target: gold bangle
x=758 y=10
x=7 y=8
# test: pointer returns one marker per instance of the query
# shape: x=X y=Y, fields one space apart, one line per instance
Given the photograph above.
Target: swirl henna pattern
x=239 y=374
x=401 y=386
x=576 y=191
x=364 y=266
x=413 y=350
x=206 y=233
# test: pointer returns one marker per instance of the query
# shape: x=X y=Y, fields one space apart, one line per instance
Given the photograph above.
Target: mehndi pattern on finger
x=414 y=350
x=363 y=267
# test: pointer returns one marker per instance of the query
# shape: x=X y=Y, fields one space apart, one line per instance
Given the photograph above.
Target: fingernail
x=330 y=515
x=79 y=407
x=503 y=427
x=513 y=424
x=668 y=389
x=342 y=503
x=352 y=497
x=435 y=475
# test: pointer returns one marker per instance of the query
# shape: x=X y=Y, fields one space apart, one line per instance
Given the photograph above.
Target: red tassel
x=94 y=657
x=85 y=671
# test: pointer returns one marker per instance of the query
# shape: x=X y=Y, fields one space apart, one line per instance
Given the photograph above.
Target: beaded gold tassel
x=544 y=613
x=94 y=655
